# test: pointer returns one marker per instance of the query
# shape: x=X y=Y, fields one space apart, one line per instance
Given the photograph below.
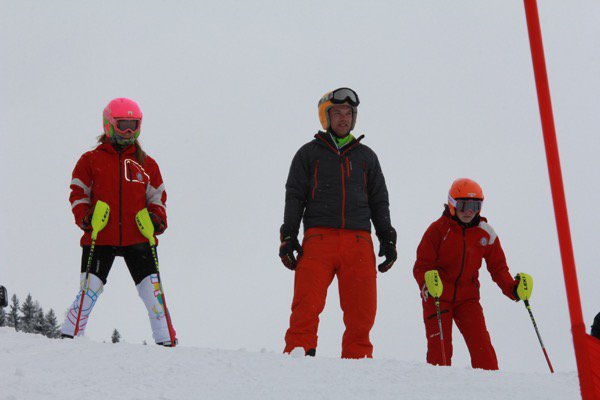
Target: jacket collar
x=325 y=138
x=109 y=148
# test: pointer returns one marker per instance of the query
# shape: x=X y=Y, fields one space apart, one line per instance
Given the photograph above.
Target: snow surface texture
x=35 y=367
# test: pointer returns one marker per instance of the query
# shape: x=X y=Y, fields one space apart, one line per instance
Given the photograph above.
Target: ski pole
x=434 y=285
x=144 y=223
x=439 y=318
x=526 y=302
x=99 y=221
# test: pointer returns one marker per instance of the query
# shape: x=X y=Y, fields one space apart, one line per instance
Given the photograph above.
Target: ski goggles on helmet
x=469 y=204
x=342 y=96
x=124 y=125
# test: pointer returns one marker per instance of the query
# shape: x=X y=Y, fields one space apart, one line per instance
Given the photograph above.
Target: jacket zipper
x=462 y=264
x=365 y=179
x=120 y=205
x=343 y=193
x=316 y=179
x=341 y=157
x=348 y=166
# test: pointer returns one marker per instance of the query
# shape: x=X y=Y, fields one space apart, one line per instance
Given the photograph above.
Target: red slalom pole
x=558 y=198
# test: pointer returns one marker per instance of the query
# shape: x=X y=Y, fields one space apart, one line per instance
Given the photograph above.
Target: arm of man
x=296 y=192
x=378 y=198
x=380 y=214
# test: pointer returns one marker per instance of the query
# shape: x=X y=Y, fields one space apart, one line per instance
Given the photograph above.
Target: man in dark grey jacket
x=335 y=185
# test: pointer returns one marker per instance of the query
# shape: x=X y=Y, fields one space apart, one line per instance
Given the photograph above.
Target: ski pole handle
x=144 y=223
x=99 y=218
x=434 y=283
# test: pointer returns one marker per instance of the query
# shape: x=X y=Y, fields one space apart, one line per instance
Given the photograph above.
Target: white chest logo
x=134 y=172
x=483 y=241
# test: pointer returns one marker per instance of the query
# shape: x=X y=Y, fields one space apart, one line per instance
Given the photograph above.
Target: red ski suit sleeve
x=156 y=196
x=457 y=253
x=81 y=189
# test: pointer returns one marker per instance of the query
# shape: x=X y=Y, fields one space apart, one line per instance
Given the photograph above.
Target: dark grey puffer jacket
x=336 y=188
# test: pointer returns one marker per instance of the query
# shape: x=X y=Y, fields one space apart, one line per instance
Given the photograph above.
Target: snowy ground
x=34 y=367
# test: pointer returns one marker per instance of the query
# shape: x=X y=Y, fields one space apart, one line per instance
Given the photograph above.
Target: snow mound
x=34 y=367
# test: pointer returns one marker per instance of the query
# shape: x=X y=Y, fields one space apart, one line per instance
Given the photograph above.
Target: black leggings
x=138 y=258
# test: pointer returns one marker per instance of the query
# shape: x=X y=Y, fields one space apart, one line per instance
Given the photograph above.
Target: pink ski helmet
x=120 y=117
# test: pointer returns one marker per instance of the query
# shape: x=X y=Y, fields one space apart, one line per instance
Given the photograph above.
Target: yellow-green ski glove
x=433 y=282
x=524 y=286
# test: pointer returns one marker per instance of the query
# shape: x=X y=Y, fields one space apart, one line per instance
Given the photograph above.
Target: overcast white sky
x=229 y=93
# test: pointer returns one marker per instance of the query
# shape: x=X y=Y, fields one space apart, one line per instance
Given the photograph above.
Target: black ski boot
x=168 y=343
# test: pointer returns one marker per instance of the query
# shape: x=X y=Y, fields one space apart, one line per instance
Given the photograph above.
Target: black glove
x=86 y=221
x=158 y=223
x=289 y=244
x=387 y=249
x=515 y=294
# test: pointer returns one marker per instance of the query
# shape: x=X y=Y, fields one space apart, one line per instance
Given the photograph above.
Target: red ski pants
x=469 y=319
x=347 y=254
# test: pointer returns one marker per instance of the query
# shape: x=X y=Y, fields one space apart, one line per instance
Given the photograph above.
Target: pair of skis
x=144 y=223
x=433 y=279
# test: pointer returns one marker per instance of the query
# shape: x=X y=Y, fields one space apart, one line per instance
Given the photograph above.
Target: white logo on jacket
x=134 y=172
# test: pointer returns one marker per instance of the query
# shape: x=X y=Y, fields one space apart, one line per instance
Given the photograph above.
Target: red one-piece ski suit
x=457 y=251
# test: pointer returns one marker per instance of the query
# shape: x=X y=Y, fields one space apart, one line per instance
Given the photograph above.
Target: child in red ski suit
x=455 y=245
x=119 y=173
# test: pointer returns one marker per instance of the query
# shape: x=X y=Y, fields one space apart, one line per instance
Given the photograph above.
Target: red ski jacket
x=119 y=180
x=457 y=252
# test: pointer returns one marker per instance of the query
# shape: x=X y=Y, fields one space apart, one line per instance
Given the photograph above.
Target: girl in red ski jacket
x=455 y=245
x=119 y=173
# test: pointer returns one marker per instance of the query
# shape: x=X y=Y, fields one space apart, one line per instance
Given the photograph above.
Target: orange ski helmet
x=338 y=96
x=463 y=188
